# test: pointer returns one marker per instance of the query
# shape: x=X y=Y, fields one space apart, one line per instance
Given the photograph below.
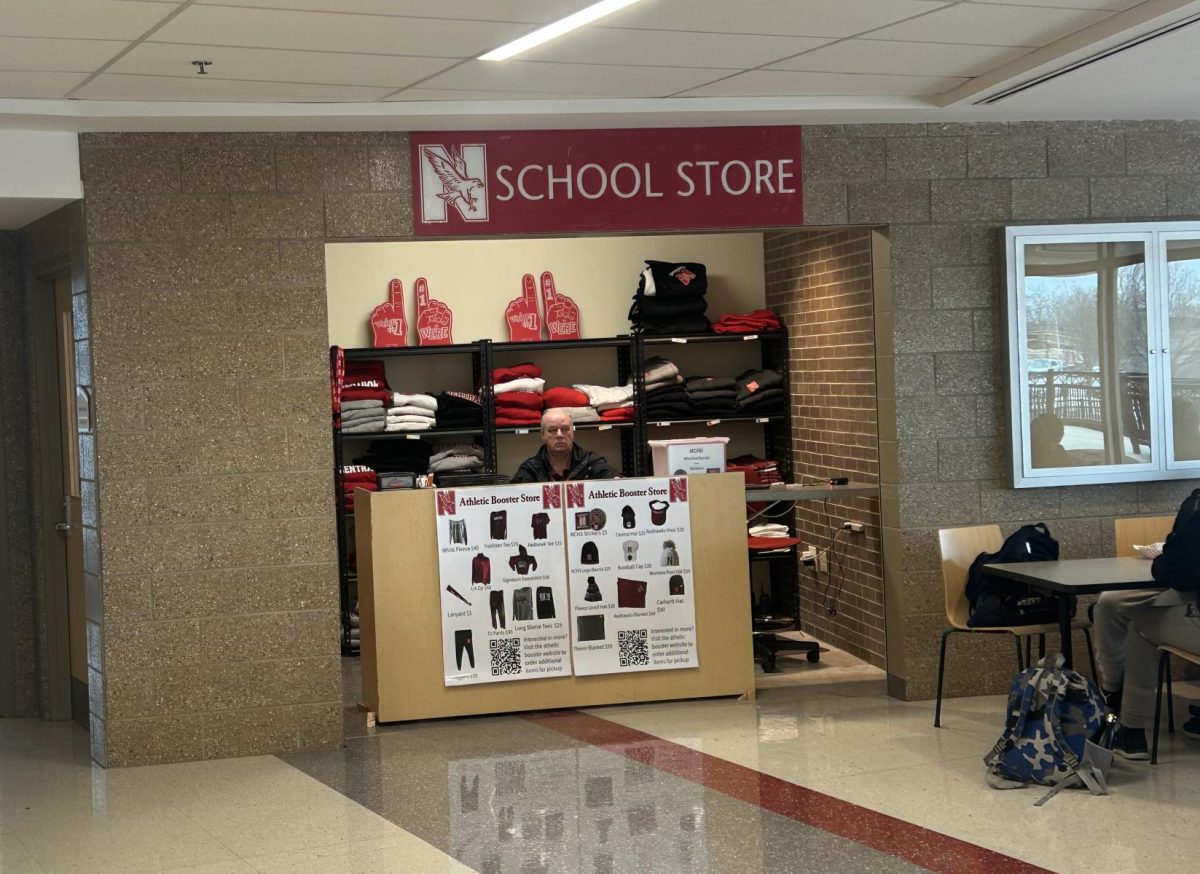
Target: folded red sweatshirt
x=519 y=400
x=517 y=371
x=373 y=369
x=517 y=419
x=563 y=396
x=747 y=323
x=620 y=414
x=367 y=394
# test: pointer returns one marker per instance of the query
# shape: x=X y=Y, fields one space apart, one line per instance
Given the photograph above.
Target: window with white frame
x=1104 y=352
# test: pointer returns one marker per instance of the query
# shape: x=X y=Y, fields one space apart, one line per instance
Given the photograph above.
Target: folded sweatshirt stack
x=760 y=393
x=363 y=398
x=571 y=400
x=396 y=456
x=612 y=403
x=457 y=458
x=665 y=394
x=670 y=299
x=411 y=412
x=459 y=409
x=518 y=391
x=712 y=396
x=356 y=476
x=754 y=322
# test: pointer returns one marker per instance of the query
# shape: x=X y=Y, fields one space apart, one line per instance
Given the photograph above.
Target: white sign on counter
x=629 y=549
x=503 y=583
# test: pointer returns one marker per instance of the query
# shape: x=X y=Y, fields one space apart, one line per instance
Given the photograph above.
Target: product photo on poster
x=631 y=595
x=502 y=576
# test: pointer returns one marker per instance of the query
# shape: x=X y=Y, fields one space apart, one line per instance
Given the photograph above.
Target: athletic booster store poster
x=503 y=583
x=629 y=549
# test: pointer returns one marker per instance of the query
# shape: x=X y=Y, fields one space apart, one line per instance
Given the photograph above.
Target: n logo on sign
x=446 y=505
x=454 y=177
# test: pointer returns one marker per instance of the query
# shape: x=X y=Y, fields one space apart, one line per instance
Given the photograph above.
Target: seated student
x=560 y=457
x=1172 y=617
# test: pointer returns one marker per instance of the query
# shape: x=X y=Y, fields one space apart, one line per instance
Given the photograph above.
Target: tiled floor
x=836 y=778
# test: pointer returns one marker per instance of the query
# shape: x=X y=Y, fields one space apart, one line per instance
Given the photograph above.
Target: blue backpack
x=1053 y=717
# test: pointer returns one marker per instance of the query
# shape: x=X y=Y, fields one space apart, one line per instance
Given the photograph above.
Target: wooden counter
x=401 y=622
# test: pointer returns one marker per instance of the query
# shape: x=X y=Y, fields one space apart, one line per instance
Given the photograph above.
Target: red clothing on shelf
x=517 y=419
x=519 y=400
x=747 y=323
x=562 y=396
x=367 y=394
x=517 y=371
x=620 y=414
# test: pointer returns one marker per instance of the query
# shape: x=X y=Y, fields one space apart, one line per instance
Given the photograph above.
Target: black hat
x=589 y=554
x=627 y=516
x=675 y=584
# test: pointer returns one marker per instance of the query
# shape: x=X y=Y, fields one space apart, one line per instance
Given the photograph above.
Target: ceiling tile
x=654 y=48
x=993 y=25
x=575 y=79
x=324 y=31
x=275 y=65
x=38 y=85
x=1109 y=5
x=117 y=86
x=64 y=55
x=435 y=94
x=780 y=83
x=913 y=58
x=95 y=19
x=835 y=18
x=530 y=11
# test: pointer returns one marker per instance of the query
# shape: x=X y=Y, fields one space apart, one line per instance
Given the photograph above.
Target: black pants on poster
x=462 y=643
x=496 y=601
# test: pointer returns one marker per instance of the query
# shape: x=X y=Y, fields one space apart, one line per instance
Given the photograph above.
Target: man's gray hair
x=563 y=411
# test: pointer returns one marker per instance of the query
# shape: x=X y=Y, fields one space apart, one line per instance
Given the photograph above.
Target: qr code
x=506 y=656
x=631 y=647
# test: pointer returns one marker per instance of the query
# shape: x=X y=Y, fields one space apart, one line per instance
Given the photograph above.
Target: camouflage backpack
x=1057 y=734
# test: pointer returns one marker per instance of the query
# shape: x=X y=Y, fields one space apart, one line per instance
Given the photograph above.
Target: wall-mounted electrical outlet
x=809 y=557
x=854 y=527
x=822 y=562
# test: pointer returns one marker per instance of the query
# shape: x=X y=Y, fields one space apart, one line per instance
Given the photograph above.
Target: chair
x=1141 y=530
x=959 y=548
x=1165 y=651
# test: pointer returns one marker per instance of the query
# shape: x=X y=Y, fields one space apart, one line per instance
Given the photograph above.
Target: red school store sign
x=513 y=182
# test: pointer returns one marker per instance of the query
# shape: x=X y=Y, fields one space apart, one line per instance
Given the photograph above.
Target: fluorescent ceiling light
x=556 y=29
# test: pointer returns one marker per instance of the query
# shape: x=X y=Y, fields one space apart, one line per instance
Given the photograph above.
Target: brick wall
x=821 y=285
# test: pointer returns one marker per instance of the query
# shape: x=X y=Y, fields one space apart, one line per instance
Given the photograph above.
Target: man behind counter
x=560 y=458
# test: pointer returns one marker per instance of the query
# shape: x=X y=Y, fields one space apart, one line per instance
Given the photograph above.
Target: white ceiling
x=106 y=64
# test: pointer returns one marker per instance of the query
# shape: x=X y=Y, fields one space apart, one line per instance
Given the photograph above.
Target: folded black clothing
x=471 y=479
x=396 y=456
x=668 y=411
x=709 y=383
x=460 y=420
x=676 y=326
x=751 y=382
x=673 y=278
x=674 y=390
x=667 y=307
x=771 y=402
x=454 y=401
x=715 y=394
x=725 y=408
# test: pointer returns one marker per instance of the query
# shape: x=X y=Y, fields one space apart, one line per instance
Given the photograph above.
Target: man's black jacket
x=584 y=465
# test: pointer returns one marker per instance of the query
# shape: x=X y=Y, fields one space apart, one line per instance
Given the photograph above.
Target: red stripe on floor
x=913 y=843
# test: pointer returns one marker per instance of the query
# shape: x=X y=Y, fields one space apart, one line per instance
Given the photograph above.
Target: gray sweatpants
x=1110 y=619
x=1178 y=626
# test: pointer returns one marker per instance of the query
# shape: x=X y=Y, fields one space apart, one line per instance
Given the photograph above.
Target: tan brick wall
x=821 y=285
x=219 y=633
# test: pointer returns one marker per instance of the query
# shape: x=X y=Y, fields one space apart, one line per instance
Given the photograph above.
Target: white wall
x=477 y=278
x=39 y=172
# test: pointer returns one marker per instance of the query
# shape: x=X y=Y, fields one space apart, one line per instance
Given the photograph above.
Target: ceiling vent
x=1090 y=59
